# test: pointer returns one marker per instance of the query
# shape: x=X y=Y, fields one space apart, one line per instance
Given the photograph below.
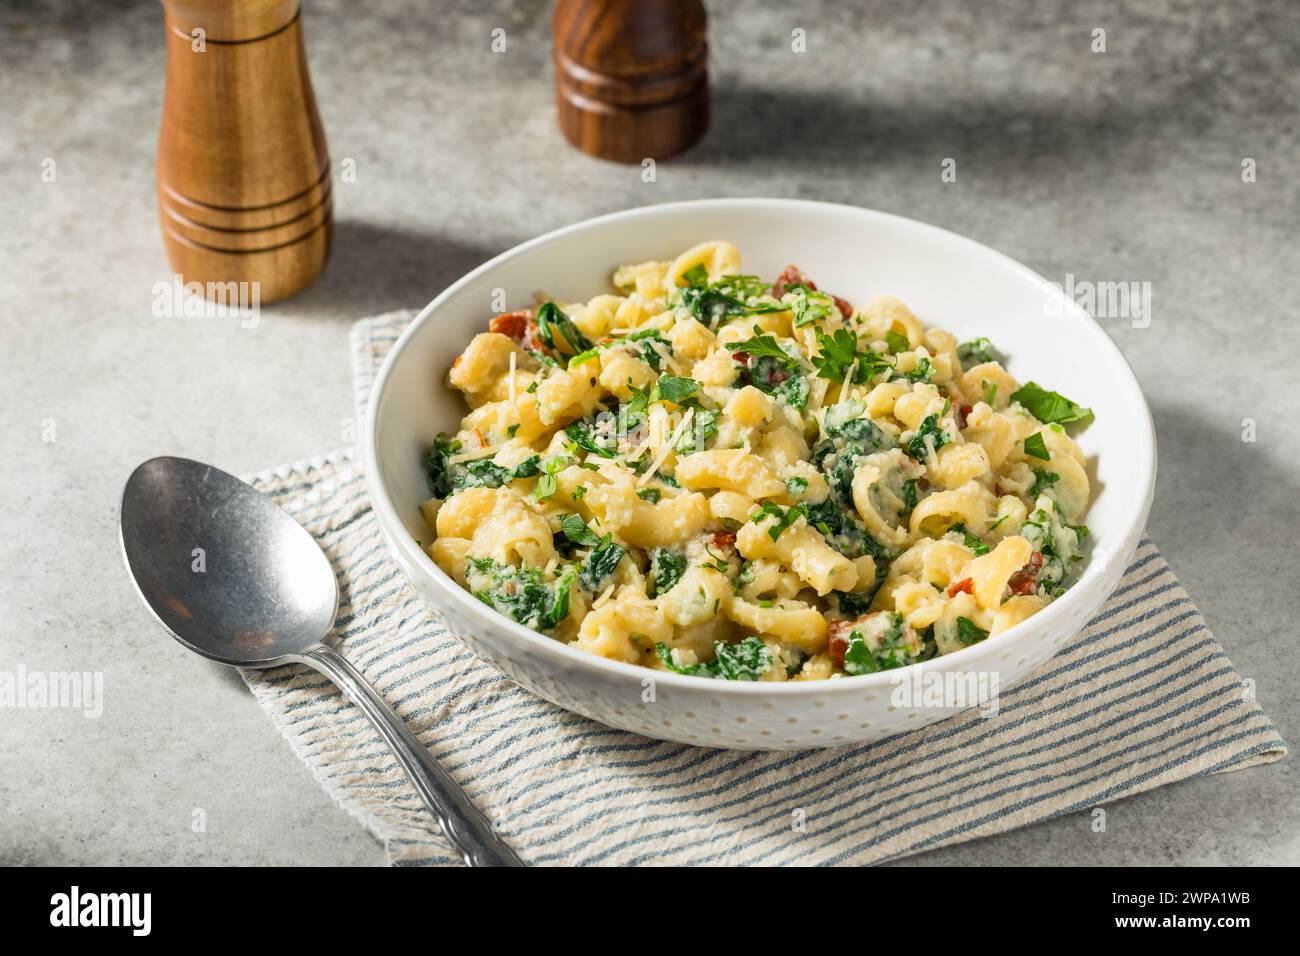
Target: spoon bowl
x=222 y=568
x=233 y=577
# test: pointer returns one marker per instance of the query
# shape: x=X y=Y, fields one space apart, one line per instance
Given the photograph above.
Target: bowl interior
x=948 y=281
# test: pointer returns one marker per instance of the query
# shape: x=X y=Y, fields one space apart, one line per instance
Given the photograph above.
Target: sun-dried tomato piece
x=839 y=639
x=1026 y=579
x=965 y=585
x=791 y=276
x=513 y=324
x=723 y=539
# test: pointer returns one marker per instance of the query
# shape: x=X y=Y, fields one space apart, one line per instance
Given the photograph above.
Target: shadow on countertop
x=832 y=128
x=374 y=268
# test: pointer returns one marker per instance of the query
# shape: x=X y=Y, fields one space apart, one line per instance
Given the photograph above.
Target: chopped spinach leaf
x=520 y=593
x=600 y=565
x=599 y=439
x=976 y=352
x=551 y=320
x=747 y=660
x=968 y=632
x=916 y=447
x=713 y=304
x=439 y=469
x=666 y=569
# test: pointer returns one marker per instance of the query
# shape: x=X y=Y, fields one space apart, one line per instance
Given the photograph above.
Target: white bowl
x=948 y=281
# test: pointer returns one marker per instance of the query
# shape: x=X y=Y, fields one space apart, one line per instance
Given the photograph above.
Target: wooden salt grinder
x=243 y=171
x=631 y=77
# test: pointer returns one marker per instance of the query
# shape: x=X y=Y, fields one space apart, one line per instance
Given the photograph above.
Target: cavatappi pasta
x=718 y=475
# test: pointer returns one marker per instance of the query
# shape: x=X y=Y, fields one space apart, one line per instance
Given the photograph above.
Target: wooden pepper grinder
x=631 y=77
x=243 y=171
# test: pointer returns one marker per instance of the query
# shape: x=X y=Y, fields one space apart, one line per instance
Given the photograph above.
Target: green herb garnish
x=1034 y=445
x=968 y=632
x=1048 y=406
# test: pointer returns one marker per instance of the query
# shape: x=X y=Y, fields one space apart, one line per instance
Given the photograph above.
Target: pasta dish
x=711 y=473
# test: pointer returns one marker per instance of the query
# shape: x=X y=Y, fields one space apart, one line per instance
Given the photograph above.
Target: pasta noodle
x=706 y=472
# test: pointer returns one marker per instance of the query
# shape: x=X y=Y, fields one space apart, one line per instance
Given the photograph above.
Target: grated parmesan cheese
x=604 y=597
x=471 y=455
x=667 y=449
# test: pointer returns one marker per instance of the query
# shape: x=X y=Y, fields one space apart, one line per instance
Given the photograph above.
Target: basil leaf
x=1048 y=406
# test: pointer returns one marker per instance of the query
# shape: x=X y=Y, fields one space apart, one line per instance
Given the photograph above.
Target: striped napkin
x=1142 y=697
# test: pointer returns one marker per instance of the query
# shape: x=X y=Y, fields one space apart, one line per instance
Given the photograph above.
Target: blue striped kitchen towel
x=1142 y=697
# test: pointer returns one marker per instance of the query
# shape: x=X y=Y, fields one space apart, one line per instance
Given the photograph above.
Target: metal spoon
x=236 y=579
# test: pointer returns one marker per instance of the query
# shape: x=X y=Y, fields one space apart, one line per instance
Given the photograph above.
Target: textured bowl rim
x=414 y=560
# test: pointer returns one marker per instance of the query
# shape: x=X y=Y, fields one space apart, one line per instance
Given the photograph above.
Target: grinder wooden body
x=244 y=185
x=631 y=77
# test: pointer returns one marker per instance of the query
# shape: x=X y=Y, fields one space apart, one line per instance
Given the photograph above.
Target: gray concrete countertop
x=1115 y=166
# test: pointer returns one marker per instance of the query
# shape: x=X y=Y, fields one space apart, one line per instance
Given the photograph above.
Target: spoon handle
x=465 y=826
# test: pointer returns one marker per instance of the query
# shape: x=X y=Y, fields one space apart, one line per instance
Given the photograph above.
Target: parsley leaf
x=764 y=345
x=1042 y=481
x=576 y=530
x=808 y=307
x=785 y=517
x=922 y=371
x=605 y=555
x=840 y=351
x=773 y=370
x=546 y=486
x=972 y=541
x=1034 y=445
x=674 y=388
